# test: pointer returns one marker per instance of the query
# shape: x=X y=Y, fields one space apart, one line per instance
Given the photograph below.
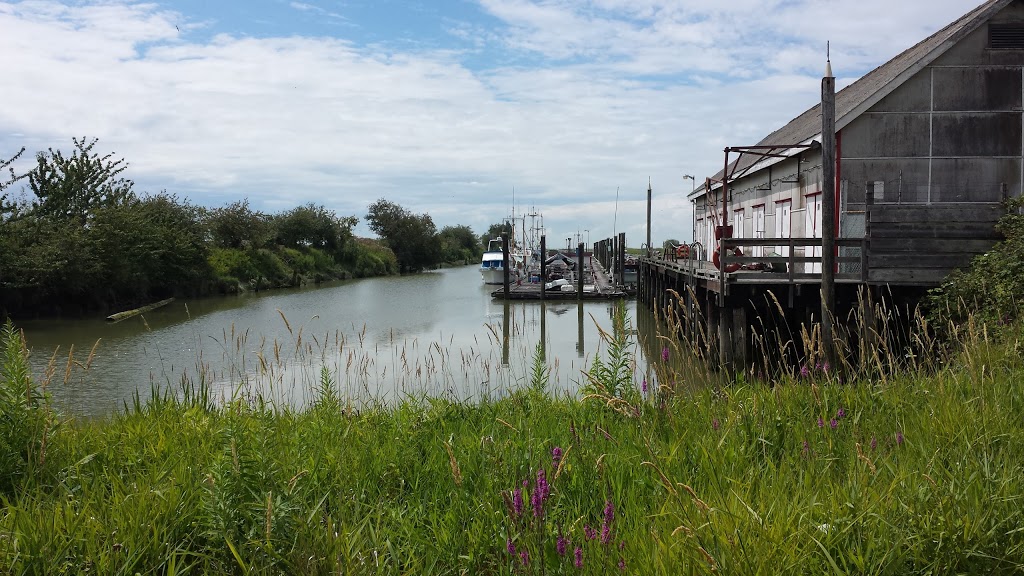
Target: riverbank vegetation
x=918 y=472
x=79 y=238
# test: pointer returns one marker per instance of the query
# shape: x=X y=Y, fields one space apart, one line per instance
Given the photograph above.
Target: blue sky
x=445 y=106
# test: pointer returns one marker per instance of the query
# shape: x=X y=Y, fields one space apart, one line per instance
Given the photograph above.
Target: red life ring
x=717 y=261
x=682 y=251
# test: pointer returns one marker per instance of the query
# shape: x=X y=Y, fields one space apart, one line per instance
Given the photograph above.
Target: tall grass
x=893 y=471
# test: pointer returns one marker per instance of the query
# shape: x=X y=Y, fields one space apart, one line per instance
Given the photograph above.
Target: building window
x=1008 y=36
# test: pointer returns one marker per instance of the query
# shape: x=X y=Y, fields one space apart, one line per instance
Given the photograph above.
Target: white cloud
x=590 y=96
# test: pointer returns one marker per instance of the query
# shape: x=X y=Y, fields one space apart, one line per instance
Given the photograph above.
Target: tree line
x=76 y=238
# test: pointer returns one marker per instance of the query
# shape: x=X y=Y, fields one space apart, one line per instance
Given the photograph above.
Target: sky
x=466 y=110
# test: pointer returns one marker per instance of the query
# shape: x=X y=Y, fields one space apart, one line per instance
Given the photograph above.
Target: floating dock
x=600 y=287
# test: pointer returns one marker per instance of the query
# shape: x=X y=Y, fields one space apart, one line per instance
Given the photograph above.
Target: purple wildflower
x=541 y=491
x=804 y=371
x=609 y=511
x=821 y=423
x=511 y=547
x=622 y=545
x=817 y=365
x=556 y=455
x=578 y=557
x=622 y=564
x=589 y=532
x=606 y=533
x=807 y=447
x=833 y=423
x=643 y=386
x=715 y=425
x=841 y=413
x=517 y=502
x=524 y=557
x=899 y=438
x=664 y=354
x=560 y=544
x=825 y=368
x=874 y=443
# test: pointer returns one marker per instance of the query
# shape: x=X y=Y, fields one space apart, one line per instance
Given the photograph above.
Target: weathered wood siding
x=920 y=245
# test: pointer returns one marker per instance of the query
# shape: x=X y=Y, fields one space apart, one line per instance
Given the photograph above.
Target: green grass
x=921 y=473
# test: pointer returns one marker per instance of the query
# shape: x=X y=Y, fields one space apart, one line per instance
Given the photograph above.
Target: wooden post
x=543 y=264
x=739 y=337
x=505 y=259
x=869 y=203
x=579 y=272
x=580 y=347
x=648 y=218
x=543 y=326
x=828 y=209
x=506 y=317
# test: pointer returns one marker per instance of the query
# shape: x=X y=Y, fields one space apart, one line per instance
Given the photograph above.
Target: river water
x=436 y=334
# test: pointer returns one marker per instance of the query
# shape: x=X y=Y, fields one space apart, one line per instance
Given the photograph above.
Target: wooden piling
x=579 y=272
x=543 y=265
x=828 y=208
x=505 y=259
x=648 y=218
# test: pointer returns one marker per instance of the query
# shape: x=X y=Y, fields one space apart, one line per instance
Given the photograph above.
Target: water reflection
x=380 y=339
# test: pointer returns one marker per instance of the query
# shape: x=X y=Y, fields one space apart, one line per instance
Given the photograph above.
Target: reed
x=910 y=464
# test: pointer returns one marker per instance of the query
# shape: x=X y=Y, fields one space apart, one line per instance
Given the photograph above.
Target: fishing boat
x=492 y=263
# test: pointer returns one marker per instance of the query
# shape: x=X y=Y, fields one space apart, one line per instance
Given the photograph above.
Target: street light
x=588 y=236
x=693 y=220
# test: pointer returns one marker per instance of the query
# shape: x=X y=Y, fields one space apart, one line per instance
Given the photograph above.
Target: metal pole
x=828 y=204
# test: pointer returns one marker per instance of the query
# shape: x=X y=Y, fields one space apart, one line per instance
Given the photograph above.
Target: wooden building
x=928 y=145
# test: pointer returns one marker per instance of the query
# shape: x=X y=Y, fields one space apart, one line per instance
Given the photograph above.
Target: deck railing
x=771 y=266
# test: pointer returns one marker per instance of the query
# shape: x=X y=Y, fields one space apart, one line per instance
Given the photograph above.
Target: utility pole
x=828 y=209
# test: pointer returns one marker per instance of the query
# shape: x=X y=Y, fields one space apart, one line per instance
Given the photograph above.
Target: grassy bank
x=916 y=473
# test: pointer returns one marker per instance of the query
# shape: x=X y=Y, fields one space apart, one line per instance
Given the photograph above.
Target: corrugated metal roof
x=873 y=86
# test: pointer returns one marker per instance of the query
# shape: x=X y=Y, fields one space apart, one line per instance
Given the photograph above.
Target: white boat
x=492 y=270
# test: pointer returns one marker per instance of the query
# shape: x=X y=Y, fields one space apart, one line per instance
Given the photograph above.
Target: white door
x=783 y=226
x=758 y=229
x=709 y=237
x=698 y=234
x=812 y=229
x=737 y=224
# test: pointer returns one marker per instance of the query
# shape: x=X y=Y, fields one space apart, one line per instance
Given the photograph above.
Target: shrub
x=23 y=412
x=991 y=288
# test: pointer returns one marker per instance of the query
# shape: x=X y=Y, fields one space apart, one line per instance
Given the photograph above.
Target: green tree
x=7 y=206
x=73 y=187
x=493 y=232
x=238 y=226
x=669 y=245
x=412 y=237
x=314 y=226
x=458 y=244
x=167 y=255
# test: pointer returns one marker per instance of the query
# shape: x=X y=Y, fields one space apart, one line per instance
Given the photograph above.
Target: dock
x=600 y=287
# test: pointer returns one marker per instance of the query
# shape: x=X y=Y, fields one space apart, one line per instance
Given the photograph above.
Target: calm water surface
x=380 y=340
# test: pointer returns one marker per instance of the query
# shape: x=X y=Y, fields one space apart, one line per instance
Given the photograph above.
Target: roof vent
x=1006 y=36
